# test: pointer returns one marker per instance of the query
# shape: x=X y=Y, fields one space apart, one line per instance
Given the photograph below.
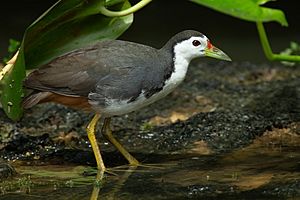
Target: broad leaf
x=12 y=89
x=67 y=25
x=261 y=2
x=246 y=9
x=62 y=30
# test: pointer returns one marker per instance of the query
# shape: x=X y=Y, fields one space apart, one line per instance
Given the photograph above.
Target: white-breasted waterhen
x=114 y=77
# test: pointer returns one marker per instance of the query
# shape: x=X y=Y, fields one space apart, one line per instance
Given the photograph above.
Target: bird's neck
x=176 y=61
x=180 y=64
x=176 y=68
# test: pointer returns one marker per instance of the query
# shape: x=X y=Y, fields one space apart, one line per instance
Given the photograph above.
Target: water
x=258 y=171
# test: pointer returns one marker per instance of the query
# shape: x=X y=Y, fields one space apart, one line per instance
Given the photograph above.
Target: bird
x=114 y=77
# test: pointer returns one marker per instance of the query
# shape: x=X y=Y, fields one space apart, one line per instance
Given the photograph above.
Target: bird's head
x=192 y=44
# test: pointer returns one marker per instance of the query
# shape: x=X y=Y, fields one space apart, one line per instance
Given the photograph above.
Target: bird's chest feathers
x=180 y=69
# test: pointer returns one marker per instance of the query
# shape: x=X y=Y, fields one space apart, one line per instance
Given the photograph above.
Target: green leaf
x=67 y=25
x=261 y=2
x=12 y=49
x=57 y=34
x=13 y=46
x=246 y=10
x=12 y=89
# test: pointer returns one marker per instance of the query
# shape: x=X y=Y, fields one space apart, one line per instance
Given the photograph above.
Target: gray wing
x=108 y=69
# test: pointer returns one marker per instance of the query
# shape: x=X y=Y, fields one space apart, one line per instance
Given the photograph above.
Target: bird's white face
x=195 y=47
x=191 y=48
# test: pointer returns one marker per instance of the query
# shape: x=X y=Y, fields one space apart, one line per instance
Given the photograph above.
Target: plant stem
x=267 y=48
x=121 y=13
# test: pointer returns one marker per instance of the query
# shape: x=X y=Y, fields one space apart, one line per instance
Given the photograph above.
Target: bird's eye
x=196 y=43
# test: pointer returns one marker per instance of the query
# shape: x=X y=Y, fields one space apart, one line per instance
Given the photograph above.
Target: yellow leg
x=91 y=135
x=106 y=131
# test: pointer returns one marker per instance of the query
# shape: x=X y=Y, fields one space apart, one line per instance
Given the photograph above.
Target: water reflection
x=97 y=185
x=257 y=171
x=100 y=181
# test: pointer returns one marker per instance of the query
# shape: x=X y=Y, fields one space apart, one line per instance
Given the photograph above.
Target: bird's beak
x=214 y=52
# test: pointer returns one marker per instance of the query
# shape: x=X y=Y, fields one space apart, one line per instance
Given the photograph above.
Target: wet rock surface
x=220 y=109
x=6 y=170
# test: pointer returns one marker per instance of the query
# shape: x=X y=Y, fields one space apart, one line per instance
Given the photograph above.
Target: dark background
x=158 y=21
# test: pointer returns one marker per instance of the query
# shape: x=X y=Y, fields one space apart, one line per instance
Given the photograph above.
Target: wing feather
x=110 y=69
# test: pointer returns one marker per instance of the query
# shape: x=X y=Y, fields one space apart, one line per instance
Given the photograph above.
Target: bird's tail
x=34 y=98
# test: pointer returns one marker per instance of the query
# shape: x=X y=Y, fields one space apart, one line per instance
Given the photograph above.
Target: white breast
x=120 y=107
